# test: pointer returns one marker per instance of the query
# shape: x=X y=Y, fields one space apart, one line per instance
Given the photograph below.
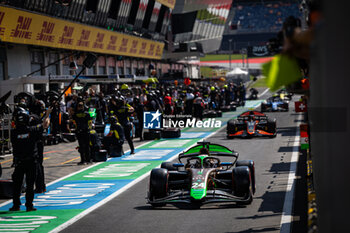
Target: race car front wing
x=212 y=196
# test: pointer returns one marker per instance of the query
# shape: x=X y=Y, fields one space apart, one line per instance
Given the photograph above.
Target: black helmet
x=136 y=100
x=113 y=119
x=120 y=101
x=38 y=107
x=21 y=117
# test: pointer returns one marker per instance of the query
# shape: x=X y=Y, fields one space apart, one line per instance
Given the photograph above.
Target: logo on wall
x=258 y=51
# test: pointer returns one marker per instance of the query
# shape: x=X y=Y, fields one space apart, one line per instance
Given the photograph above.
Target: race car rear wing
x=246 y=118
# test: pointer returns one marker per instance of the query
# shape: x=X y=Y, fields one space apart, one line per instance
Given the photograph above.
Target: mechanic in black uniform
x=24 y=137
x=117 y=137
x=198 y=105
x=213 y=95
x=139 y=109
x=38 y=109
x=122 y=111
x=83 y=122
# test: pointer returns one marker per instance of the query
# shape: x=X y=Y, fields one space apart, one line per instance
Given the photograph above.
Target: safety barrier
x=311 y=194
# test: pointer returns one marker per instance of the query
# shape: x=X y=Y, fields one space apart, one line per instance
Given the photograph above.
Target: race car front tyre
x=158 y=185
x=272 y=128
x=231 y=128
x=250 y=164
x=243 y=184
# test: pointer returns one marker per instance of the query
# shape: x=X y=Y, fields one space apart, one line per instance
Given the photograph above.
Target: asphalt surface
x=129 y=211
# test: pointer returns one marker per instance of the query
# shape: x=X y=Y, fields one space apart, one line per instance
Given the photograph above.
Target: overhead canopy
x=236 y=71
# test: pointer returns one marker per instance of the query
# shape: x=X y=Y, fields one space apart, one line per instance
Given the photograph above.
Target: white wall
x=18 y=60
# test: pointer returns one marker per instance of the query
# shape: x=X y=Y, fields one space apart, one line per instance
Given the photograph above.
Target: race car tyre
x=209 y=114
x=231 y=128
x=226 y=108
x=225 y=177
x=242 y=184
x=151 y=135
x=158 y=185
x=272 y=128
x=218 y=113
x=6 y=189
x=171 y=133
x=169 y=166
x=250 y=164
x=263 y=108
x=231 y=125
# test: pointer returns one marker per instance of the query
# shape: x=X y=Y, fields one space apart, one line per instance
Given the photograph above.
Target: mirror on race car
x=178 y=165
x=226 y=164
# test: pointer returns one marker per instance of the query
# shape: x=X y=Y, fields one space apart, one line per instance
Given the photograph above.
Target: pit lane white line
x=264 y=92
x=286 y=219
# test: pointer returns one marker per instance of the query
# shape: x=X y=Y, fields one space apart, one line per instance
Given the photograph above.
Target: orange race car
x=250 y=124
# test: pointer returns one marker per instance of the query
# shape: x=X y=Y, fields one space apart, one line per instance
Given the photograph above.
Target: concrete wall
x=329 y=114
x=18 y=60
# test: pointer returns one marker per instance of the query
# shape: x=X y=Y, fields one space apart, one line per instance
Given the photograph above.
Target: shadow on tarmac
x=267 y=229
x=286 y=131
x=269 y=201
x=182 y=206
x=259 y=216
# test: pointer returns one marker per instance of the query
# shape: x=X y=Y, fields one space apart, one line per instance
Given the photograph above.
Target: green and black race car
x=203 y=178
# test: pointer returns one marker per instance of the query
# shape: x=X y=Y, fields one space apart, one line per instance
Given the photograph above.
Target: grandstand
x=262 y=17
x=253 y=23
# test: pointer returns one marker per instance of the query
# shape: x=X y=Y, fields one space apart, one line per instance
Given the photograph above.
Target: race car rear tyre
x=250 y=164
x=158 y=185
x=169 y=166
x=263 y=108
x=242 y=184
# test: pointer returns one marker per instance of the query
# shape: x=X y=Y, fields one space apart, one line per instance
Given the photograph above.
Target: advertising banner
x=27 y=28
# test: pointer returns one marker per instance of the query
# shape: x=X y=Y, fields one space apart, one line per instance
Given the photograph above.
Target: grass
x=260 y=83
x=206 y=71
x=220 y=57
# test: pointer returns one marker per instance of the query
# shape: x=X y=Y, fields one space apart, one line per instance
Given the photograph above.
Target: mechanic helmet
x=212 y=88
x=120 y=101
x=23 y=103
x=38 y=107
x=21 y=117
x=113 y=119
x=136 y=100
x=118 y=93
x=125 y=86
x=80 y=106
x=225 y=86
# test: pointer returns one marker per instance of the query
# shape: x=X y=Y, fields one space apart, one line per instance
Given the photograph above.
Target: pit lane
x=129 y=212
